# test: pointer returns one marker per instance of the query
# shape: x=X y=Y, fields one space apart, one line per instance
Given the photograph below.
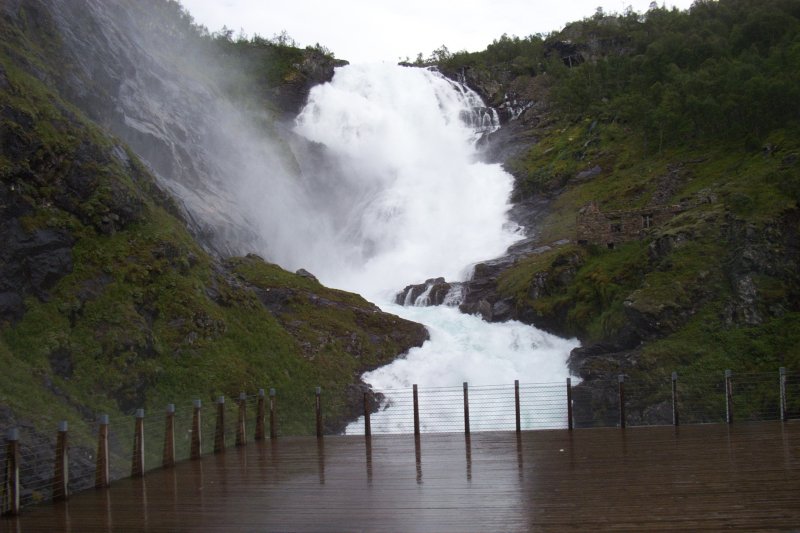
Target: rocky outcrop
x=759 y=256
x=30 y=264
x=315 y=68
x=163 y=89
x=435 y=291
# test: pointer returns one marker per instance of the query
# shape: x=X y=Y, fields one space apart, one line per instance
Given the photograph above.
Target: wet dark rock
x=61 y=362
x=589 y=174
x=30 y=263
x=437 y=290
x=314 y=69
x=3 y=79
x=306 y=274
x=12 y=307
x=354 y=402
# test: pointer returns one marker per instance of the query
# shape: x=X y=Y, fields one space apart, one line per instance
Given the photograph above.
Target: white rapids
x=410 y=200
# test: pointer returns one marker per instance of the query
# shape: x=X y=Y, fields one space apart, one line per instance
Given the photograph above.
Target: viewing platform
x=743 y=476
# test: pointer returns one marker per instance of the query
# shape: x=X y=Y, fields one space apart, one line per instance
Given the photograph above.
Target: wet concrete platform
x=708 y=477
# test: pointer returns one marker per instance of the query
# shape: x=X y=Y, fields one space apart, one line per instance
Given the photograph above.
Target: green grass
x=146 y=317
x=603 y=287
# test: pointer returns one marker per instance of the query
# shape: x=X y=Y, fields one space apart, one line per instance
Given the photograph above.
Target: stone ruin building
x=613 y=227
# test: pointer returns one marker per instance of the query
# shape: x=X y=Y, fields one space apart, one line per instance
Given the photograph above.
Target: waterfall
x=411 y=201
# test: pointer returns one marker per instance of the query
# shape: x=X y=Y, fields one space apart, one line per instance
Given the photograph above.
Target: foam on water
x=414 y=202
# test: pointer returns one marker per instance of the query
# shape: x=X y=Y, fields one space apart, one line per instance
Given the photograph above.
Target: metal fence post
x=318 y=407
x=570 y=424
x=517 y=412
x=11 y=492
x=416 y=409
x=273 y=419
x=241 y=435
x=782 y=379
x=466 y=408
x=137 y=459
x=367 y=426
x=219 y=434
x=168 y=456
x=101 y=476
x=675 y=414
x=261 y=411
x=729 y=396
x=621 y=380
x=197 y=430
x=61 y=470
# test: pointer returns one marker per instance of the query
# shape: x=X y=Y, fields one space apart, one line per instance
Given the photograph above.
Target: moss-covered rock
x=109 y=303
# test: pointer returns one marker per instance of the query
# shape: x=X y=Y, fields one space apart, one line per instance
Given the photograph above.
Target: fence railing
x=37 y=469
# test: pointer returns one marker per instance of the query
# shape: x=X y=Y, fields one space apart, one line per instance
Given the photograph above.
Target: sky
x=381 y=30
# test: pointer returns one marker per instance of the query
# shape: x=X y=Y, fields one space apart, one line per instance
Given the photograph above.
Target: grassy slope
x=146 y=317
x=717 y=286
x=694 y=277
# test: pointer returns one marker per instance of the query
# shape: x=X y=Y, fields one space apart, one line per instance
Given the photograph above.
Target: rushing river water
x=413 y=201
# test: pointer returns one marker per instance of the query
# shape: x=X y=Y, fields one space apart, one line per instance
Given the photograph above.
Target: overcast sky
x=380 y=30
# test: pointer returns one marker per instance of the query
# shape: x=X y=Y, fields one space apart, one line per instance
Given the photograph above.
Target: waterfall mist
x=406 y=198
x=376 y=184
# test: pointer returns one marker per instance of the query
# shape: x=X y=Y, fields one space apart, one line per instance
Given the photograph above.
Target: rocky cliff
x=113 y=295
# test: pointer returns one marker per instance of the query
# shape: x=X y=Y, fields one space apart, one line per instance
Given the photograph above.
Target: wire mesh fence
x=181 y=432
x=792 y=395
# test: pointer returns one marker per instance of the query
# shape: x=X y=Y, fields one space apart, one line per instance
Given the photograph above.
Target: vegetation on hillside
x=108 y=303
x=698 y=108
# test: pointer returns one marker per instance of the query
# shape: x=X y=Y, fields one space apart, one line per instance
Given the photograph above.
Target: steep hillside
x=657 y=159
x=107 y=301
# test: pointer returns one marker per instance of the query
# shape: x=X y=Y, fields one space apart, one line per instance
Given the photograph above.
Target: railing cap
x=318 y=390
x=140 y=413
x=261 y=392
x=198 y=404
x=242 y=396
x=171 y=408
x=12 y=435
x=272 y=392
x=221 y=399
x=63 y=426
x=103 y=419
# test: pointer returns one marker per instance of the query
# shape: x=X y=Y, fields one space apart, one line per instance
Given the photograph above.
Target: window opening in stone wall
x=647 y=221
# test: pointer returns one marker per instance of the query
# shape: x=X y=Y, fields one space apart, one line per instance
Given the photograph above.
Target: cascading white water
x=412 y=202
x=418 y=203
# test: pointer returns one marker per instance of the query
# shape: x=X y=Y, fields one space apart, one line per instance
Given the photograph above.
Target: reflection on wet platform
x=695 y=477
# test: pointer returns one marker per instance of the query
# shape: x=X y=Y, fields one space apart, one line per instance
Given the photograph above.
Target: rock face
x=30 y=263
x=315 y=68
x=107 y=302
x=435 y=291
x=153 y=86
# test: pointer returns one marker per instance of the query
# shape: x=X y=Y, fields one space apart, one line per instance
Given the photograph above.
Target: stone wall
x=613 y=227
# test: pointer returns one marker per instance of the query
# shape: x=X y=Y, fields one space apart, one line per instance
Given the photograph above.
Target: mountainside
x=113 y=296
x=657 y=166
